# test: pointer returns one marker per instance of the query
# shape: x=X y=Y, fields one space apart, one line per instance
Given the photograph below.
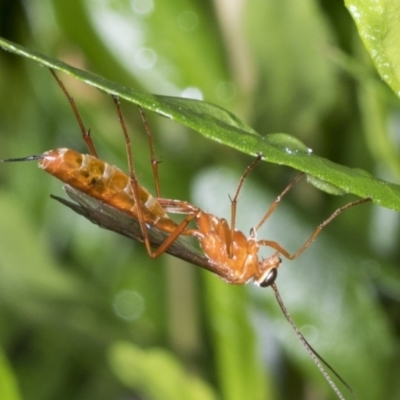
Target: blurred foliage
x=81 y=309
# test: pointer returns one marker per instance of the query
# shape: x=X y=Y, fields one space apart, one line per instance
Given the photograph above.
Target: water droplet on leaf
x=289 y=144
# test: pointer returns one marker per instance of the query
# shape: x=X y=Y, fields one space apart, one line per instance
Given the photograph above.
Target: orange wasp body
x=104 y=182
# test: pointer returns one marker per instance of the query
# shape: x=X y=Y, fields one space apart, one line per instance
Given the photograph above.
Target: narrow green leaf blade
x=222 y=126
x=156 y=374
x=8 y=384
x=239 y=367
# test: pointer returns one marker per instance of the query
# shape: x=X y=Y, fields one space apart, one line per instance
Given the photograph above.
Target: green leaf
x=220 y=125
x=239 y=366
x=156 y=373
x=379 y=28
x=8 y=383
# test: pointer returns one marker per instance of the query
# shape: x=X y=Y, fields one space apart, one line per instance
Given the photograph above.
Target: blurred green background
x=85 y=314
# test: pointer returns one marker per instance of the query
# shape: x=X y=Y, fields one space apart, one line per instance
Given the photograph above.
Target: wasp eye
x=270 y=278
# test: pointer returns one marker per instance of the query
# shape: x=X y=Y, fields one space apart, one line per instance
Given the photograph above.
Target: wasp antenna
x=29 y=158
x=316 y=358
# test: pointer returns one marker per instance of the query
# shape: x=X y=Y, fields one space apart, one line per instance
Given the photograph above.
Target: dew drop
x=192 y=92
x=289 y=144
